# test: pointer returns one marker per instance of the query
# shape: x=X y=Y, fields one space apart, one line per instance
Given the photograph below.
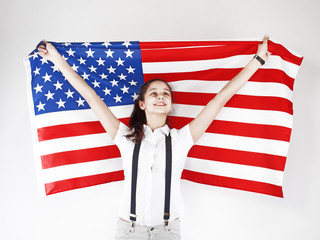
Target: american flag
x=244 y=148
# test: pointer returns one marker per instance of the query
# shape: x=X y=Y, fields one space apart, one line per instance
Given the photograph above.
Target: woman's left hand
x=263 y=48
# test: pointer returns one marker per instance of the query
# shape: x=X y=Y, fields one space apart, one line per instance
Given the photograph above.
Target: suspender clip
x=132 y=224
x=131 y=227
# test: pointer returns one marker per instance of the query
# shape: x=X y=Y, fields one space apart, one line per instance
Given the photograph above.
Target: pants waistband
x=160 y=226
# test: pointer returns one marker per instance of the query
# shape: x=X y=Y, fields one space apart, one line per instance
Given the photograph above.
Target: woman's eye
x=154 y=94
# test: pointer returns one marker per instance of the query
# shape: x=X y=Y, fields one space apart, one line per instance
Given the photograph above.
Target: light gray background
x=212 y=212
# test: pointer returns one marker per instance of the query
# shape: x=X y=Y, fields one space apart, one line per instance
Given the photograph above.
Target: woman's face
x=157 y=99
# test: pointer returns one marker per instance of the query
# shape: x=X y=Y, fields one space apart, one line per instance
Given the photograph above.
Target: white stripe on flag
x=74 y=143
x=259 y=145
x=240 y=61
x=85 y=115
x=251 y=144
x=243 y=115
x=235 y=171
x=81 y=170
x=249 y=88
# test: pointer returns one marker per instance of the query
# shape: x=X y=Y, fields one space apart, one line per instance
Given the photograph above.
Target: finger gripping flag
x=244 y=148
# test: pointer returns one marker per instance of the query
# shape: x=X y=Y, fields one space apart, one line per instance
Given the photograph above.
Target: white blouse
x=151 y=173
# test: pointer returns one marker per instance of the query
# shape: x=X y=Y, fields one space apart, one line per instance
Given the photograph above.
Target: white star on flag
x=109 y=53
x=47 y=77
x=70 y=52
x=90 y=53
x=61 y=103
x=120 y=62
x=38 y=88
x=40 y=106
x=126 y=43
x=69 y=93
x=111 y=69
x=49 y=95
x=80 y=102
x=117 y=98
x=129 y=53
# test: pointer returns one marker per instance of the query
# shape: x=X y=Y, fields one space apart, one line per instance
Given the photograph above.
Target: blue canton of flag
x=112 y=69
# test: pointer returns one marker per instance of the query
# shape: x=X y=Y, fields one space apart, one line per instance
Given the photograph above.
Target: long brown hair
x=138 y=116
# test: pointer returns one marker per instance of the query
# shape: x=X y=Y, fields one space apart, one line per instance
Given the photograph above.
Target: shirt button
x=151 y=229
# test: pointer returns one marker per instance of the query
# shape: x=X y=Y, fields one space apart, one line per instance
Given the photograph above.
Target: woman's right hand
x=48 y=52
x=263 y=48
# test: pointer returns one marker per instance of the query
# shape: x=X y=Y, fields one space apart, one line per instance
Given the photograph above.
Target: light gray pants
x=142 y=232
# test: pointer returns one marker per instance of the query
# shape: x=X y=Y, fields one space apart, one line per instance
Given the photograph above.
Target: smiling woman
x=158 y=94
x=151 y=108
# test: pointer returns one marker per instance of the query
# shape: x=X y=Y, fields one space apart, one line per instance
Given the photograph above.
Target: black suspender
x=168 y=180
x=134 y=180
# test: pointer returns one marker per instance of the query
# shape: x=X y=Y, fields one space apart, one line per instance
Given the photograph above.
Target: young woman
x=148 y=140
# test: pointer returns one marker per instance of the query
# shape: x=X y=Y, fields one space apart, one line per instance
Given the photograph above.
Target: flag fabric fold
x=244 y=148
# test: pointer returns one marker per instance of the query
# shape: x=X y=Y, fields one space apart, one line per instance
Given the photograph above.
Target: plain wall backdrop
x=211 y=212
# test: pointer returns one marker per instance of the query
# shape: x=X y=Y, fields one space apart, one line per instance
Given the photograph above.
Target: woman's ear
x=141 y=105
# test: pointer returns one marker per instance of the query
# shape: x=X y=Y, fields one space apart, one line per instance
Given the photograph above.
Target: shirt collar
x=165 y=129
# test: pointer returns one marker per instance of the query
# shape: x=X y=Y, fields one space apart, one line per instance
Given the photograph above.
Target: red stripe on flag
x=250 y=130
x=177 y=44
x=217 y=74
x=81 y=182
x=234 y=183
x=237 y=101
x=284 y=53
x=238 y=157
x=238 y=129
x=72 y=130
x=274 y=48
x=192 y=54
x=79 y=156
x=69 y=130
x=221 y=74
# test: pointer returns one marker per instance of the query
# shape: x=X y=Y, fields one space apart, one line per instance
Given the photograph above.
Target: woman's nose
x=160 y=96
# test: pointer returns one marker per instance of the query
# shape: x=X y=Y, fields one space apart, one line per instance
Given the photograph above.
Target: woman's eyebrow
x=156 y=89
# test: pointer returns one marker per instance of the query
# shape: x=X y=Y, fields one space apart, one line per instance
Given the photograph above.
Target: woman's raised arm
x=200 y=124
x=106 y=117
